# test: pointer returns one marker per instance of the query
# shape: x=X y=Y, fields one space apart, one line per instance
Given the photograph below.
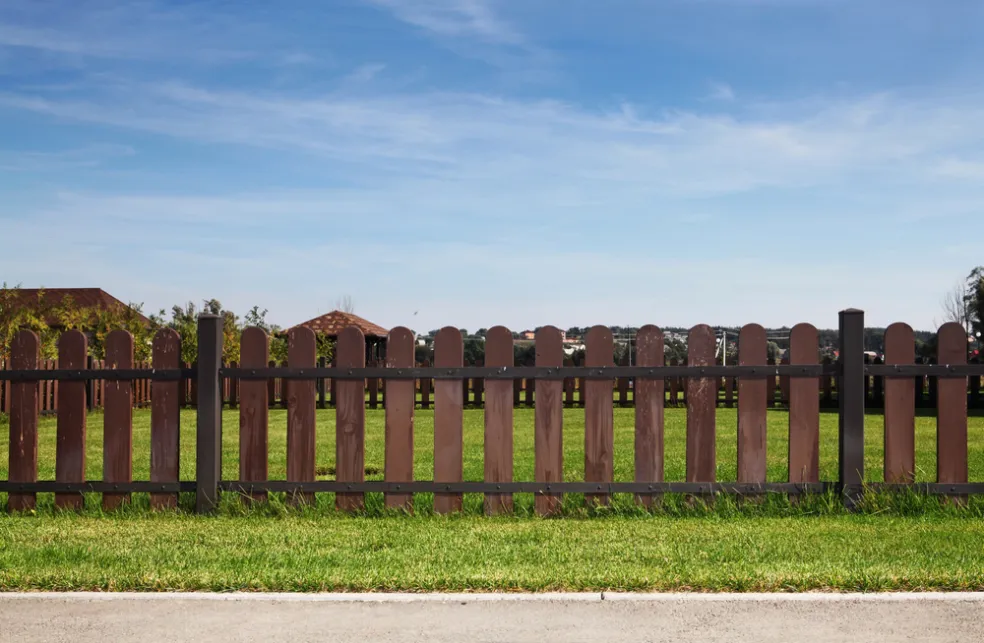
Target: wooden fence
x=804 y=383
x=473 y=390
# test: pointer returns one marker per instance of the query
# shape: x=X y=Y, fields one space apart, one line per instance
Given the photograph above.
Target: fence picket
x=398 y=463
x=498 y=420
x=548 y=437
x=254 y=410
x=23 y=444
x=350 y=419
x=300 y=401
x=71 y=424
x=951 y=410
x=649 y=402
x=701 y=407
x=752 y=406
x=165 y=419
x=900 y=416
x=448 y=448
x=118 y=419
x=599 y=431
x=804 y=407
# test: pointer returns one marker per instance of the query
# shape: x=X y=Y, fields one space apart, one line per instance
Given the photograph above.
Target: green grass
x=896 y=542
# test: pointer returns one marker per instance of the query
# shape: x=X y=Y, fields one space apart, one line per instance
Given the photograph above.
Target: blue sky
x=482 y=162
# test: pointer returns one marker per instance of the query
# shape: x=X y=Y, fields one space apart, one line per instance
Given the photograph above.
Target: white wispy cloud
x=455 y=18
x=721 y=91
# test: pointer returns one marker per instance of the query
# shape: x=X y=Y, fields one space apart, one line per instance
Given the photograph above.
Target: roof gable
x=336 y=321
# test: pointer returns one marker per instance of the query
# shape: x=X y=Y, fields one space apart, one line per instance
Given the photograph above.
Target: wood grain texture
x=24 y=396
x=399 y=417
x=118 y=419
x=804 y=407
x=900 y=407
x=499 y=420
x=701 y=407
x=448 y=419
x=599 y=426
x=254 y=410
x=752 y=423
x=649 y=412
x=548 y=433
x=73 y=349
x=951 y=396
x=301 y=407
x=165 y=419
x=350 y=419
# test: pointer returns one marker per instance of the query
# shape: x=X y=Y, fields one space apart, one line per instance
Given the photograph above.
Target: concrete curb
x=583 y=597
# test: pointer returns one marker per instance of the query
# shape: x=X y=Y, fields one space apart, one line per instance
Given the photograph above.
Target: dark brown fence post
x=70 y=452
x=529 y=391
x=951 y=410
x=165 y=419
x=301 y=353
x=599 y=431
x=674 y=385
x=400 y=402
x=900 y=416
x=649 y=402
x=752 y=405
x=498 y=421
x=118 y=419
x=208 y=462
x=975 y=387
x=479 y=386
x=623 y=383
x=850 y=395
x=350 y=419
x=448 y=419
x=701 y=408
x=548 y=436
x=517 y=391
x=23 y=456
x=828 y=397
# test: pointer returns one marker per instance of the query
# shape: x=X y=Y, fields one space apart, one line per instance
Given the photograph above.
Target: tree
x=956 y=305
x=974 y=301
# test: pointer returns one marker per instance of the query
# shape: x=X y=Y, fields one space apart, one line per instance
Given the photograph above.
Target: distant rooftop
x=336 y=321
x=81 y=298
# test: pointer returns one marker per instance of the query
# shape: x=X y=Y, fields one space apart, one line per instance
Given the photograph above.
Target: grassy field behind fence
x=906 y=542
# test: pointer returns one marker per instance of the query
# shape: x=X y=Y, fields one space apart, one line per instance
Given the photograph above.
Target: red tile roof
x=334 y=322
x=81 y=297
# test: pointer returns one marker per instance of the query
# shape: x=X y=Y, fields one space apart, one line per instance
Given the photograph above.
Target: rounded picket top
x=900 y=344
x=952 y=344
x=73 y=346
x=400 y=348
x=350 y=348
x=649 y=346
x=167 y=341
x=449 y=349
x=549 y=346
x=254 y=348
x=701 y=345
x=599 y=347
x=119 y=349
x=24 y=350
x=499 y=347
x=804 y=345
x=752 y=345
x=302 y=347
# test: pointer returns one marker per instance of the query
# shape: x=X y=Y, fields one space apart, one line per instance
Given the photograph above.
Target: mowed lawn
x=902 y=543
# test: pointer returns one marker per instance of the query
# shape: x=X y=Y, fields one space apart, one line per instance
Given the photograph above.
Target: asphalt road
x=460 y=618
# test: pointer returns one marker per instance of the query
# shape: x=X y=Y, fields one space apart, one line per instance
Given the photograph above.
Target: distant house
x=51 y=298
x=333 y=323
x=528 y=334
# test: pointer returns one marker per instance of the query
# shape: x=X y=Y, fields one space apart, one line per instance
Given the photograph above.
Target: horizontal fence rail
x=802 y=382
